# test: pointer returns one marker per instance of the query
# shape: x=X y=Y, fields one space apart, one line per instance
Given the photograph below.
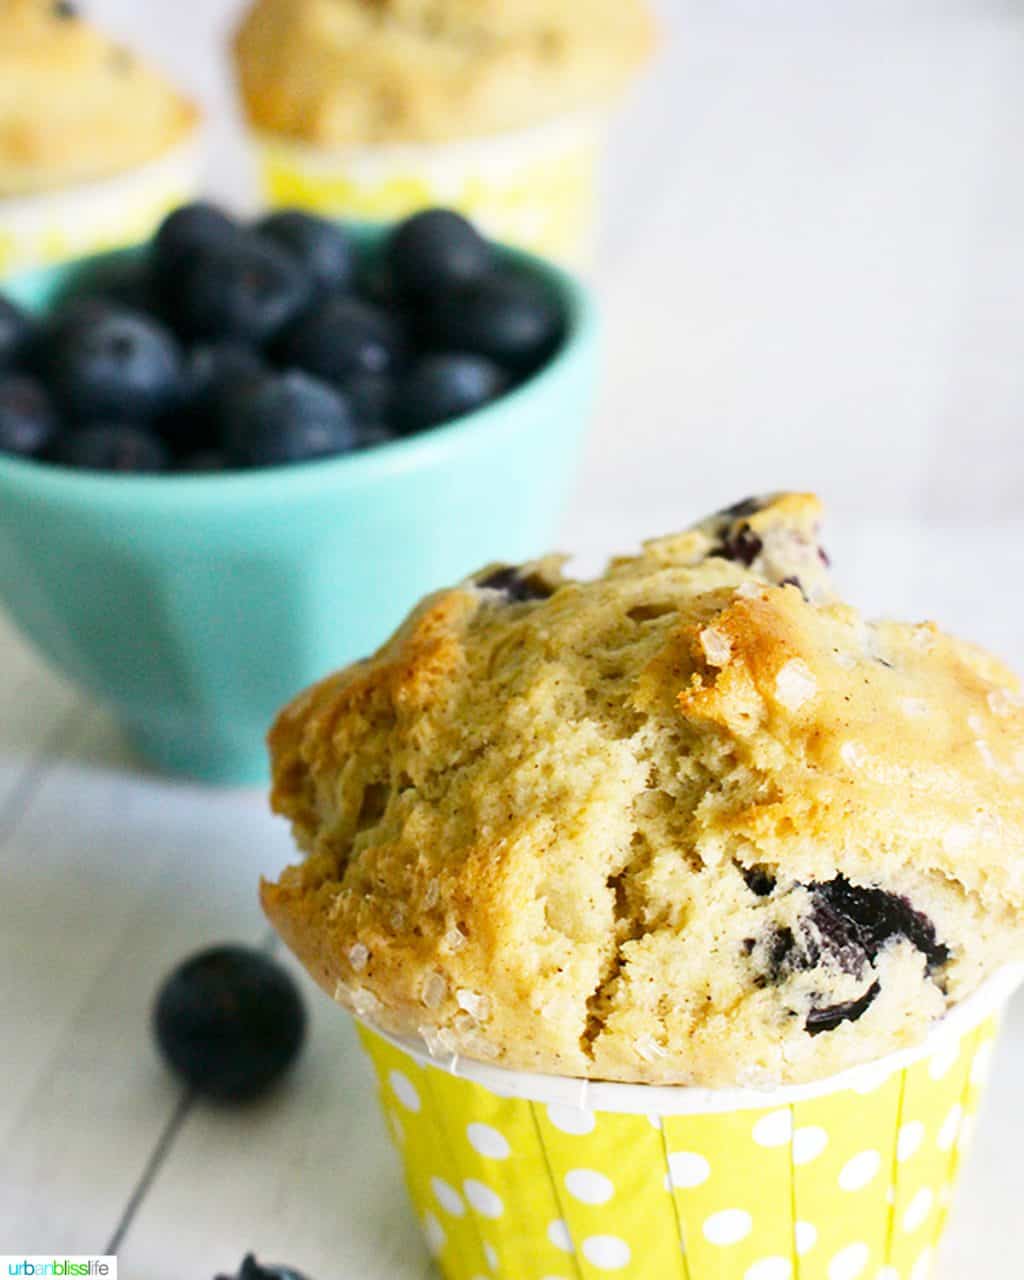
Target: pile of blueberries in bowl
x=223 y=346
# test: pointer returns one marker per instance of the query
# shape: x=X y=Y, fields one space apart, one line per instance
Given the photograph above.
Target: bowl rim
x=432 y=446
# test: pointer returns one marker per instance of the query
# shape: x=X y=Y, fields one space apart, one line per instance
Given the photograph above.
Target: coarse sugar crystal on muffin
x=74 y=104
x=695 y=821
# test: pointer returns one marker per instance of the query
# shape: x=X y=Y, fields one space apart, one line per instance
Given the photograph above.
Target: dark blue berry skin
x=230 y=1022
x=204 y=462
x=511 y=319
x=212 y=374
x=447 y=385
x=28 y=422
x=344 y=337
x=436 y=251
x=246 y=289
x=253 y=1270
x=288 y=417
x=322 y=248
x=373 y=397
x=368 y=437
x=15 y=328
x=119 y=367
x=187 y=230
x=112 y=447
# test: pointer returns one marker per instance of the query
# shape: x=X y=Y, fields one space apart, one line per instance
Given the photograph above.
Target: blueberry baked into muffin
x=695 y=821
x=74 y=104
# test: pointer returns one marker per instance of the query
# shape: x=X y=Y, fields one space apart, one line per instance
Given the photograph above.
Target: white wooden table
x=812 y=273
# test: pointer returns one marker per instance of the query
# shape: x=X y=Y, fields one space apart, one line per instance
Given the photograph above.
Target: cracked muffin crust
x=371 y=71
x=74 y=104
x=694 y=821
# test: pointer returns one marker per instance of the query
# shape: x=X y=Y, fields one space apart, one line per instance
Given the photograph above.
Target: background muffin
x=485 y=106
x=692 y=822
x=91 y=137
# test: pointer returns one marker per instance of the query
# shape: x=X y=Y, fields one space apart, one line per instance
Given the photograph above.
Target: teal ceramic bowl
x=196 y=605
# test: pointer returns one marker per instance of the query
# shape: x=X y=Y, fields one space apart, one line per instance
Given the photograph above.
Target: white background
x=812 y=272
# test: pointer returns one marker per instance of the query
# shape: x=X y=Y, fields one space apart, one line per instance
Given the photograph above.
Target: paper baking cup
x=56 y=226
x=518 y=1176
x=535 y=188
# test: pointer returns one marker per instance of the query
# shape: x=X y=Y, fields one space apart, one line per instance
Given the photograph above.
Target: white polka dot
x=447 y=1197
x=404 y=1090
x=859 y=1170
x=655 y=1122
x=916 y=1213
x=491 y=1254
x=950 y=1128
x=686 y=1169
x=849 y=1263
x=806 y=1237
x=774 y=1129
x=483 y=1199
x=607 y=1253
x=434 y=1233
x=572 y=1119
x=943 y=1060
x=808 y=1143
x=487 y=1141
x=982 y=1062
x=910 y=1139
x=558 y=1234
x=589 y=1186
x=922 y=1267
x=769 y=1269
x=728 y=1226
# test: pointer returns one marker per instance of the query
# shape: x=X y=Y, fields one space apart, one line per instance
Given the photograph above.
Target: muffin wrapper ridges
x=841 y=1180
x=535 y=189
x=57 y=226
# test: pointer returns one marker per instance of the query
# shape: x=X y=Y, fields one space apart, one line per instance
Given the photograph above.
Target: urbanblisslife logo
x=45 y=1265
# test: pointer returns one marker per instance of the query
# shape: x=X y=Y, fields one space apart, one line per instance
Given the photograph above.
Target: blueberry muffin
x=693 y=822
x=75 y=105
x=372 y=71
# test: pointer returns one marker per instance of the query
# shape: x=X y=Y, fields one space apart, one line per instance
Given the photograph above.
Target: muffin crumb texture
x=695 y=821
x=375 y=71
x=74 y=104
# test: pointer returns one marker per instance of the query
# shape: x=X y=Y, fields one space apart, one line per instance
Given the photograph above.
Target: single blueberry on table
x=287 y=417
x=510 y=318
x=446 y=385
x=253 y=1270
x=245 y=288
x=437 y=250
x=112 y=447
x=28 y=422
x=342 y=337
x=230 y=1021
x=187 y=230
x=121 y=366
x=322 y=248
x=15 y=328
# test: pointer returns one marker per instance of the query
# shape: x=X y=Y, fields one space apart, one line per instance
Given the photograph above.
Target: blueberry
x=15 y=328
x=437 y=250
x=742 y=545
x=126 y=281
x=253 y=1270
x=515 y=585
x=512 y=319
x=343 y=337
x=188 y=230
x=246 y=288
x=121 y=367
x=369 y=436
x=230 y=1021
x=829 y=1017
x=204 y=462
x=112 y=447
x=373 y=397
x=288 y=417
x=325 y=252
x=447 y=385
x=28 y=422
x=213 y=373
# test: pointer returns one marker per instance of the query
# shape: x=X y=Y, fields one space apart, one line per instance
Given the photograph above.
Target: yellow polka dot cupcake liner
x=516 y=1176
x=535 y=188
x=57 y=226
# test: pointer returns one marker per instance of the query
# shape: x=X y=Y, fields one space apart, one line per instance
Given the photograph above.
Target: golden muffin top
x=371 y=71
x=74 y=104
x=695 y=821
